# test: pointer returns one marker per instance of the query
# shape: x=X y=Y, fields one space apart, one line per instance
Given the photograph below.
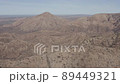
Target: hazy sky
x=24 y=7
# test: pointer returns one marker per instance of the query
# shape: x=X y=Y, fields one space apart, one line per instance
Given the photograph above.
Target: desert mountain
x=98 y=22
x=42 y=21
x=99 y=34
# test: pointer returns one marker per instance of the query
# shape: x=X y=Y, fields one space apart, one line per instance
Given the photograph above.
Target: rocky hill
x=98 y=23
x=99 y=34
x=40 y=22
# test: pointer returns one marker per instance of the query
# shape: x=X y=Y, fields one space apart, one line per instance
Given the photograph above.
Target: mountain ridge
x=42 y=21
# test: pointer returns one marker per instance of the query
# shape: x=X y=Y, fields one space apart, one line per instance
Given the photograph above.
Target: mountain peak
x=46 y=14
x=43 y=21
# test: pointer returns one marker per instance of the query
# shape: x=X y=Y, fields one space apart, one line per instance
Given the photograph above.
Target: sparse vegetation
x=102 y=49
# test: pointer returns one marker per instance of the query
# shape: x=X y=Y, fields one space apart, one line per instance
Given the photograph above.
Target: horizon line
x=56 y=14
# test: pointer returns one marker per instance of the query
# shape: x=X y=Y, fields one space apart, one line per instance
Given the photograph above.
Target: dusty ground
x=99 y=34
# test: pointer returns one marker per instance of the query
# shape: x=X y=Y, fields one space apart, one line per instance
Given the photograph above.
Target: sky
x=64 y=7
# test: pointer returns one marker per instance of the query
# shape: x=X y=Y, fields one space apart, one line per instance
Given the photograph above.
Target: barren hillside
x=99 y=34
